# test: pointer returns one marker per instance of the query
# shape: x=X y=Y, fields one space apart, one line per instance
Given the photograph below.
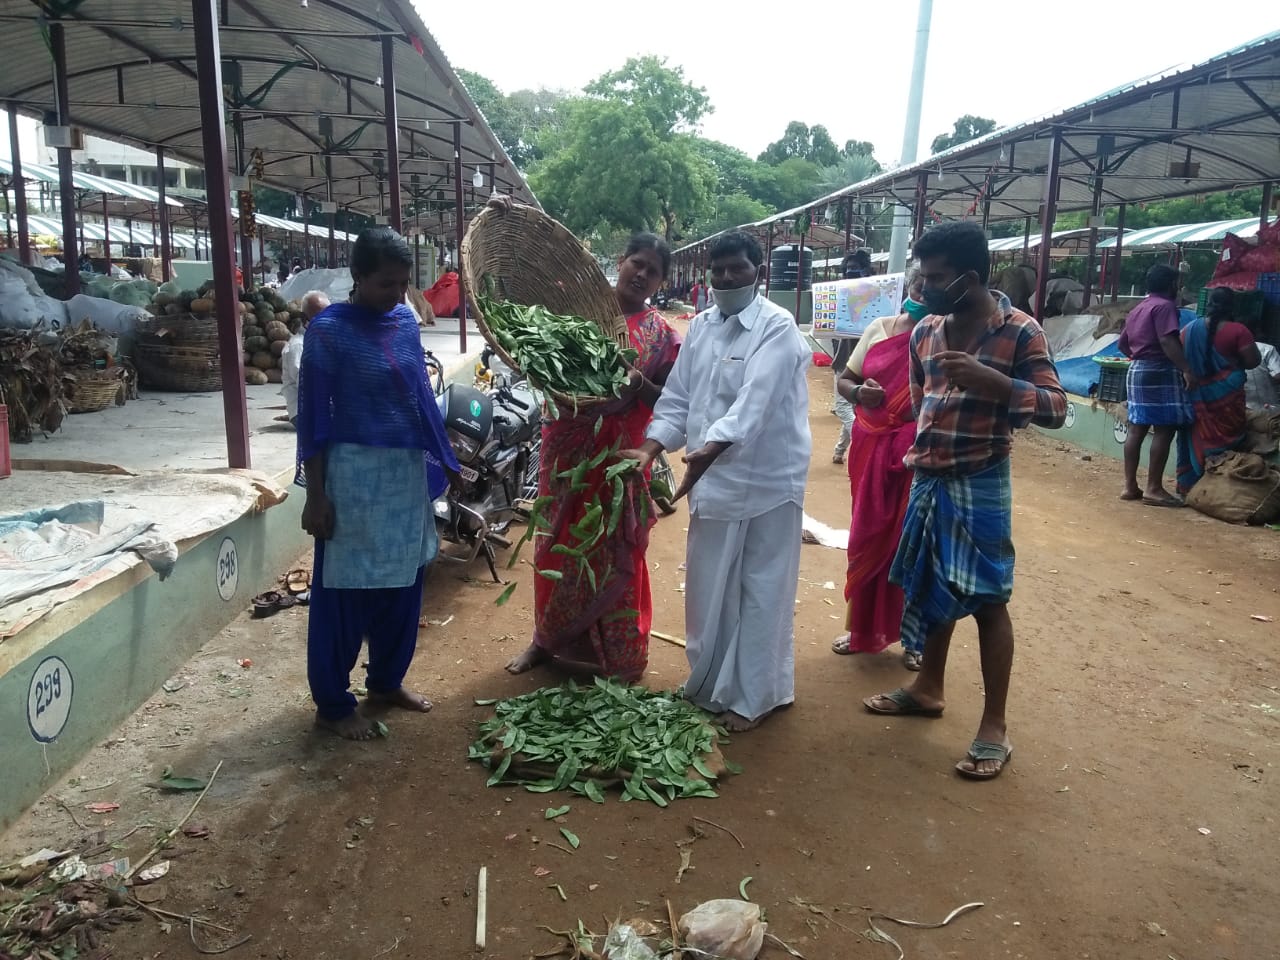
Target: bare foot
x=532 y=656
x=354 y=726
x=736 y=723
x=401 y=699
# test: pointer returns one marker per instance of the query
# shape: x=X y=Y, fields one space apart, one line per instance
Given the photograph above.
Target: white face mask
x=732 y=302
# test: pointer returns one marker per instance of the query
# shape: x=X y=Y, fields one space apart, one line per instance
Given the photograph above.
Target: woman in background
x=1219 y=352
x=877 y=381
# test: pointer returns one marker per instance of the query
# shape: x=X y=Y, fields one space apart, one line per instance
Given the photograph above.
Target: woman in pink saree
x=877 y=381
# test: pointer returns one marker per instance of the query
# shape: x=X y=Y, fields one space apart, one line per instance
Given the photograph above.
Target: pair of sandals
x=296 y=593
x=900 y=703
x=910 y=659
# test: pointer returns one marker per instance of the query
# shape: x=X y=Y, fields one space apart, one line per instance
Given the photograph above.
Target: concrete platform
x=75 y=674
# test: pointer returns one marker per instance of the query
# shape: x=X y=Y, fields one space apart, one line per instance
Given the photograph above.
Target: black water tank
x=783 y=268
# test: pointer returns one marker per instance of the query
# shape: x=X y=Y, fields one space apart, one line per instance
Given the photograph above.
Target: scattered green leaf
x=570 y=836
x=553 y=812
x=742 y=887
x=505 y=595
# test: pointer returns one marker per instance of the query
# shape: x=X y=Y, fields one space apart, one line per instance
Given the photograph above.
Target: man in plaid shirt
x=979 y=370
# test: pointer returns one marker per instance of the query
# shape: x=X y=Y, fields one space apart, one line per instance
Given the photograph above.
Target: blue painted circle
x=49 y=698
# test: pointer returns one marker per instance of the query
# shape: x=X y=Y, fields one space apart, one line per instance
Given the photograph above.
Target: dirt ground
x=1137 y=820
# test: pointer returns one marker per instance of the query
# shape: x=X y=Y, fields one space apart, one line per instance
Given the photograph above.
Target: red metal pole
x=1026 y=240
x=392 y=121
x=460 y=232
x=106 y=235
x=1262 y=217
x=222 y=244
x=1049 y=214
x=1117 y=253
x=162 y=211
x=246 y=241
x=1096 y=211
x=66 y=183
x=19 y=186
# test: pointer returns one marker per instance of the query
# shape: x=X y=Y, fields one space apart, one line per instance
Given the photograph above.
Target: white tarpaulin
x=77 y=547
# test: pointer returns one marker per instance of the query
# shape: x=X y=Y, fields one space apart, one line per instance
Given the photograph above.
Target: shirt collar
x=747 y=318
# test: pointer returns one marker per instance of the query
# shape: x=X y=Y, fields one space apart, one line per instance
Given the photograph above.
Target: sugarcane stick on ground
x=482 y=906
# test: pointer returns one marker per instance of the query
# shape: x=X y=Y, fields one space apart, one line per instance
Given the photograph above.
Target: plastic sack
x=729 y=929
x=624 y=943
x=116 y=319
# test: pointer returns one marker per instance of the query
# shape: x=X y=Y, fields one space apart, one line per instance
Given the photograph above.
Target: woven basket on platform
x=95 y=390
x=531 y=259
x=190 y=369
x=184 y=328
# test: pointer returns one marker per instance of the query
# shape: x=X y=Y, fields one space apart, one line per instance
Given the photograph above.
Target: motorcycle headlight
x=464 y=447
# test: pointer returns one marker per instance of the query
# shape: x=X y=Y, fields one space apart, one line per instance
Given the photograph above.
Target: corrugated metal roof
x=1222 y=115
x=132 y=70
x=1186 y=233
x=39 y=173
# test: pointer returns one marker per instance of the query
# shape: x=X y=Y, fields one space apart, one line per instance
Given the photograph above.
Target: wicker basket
x=189 y=369
x=95 y=390
x=184 y=328
x=532 y=259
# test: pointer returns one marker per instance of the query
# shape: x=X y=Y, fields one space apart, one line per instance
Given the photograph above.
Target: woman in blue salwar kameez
x=373 y=456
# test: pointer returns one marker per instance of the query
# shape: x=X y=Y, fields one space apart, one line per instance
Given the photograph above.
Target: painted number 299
x=227 y=571
x=48 y=689
x=49 y=699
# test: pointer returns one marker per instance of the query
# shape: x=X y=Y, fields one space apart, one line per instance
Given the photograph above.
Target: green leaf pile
x=568 y=355
x=654 y=744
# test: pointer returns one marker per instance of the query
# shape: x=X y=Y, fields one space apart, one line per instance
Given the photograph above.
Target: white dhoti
x=740 y=592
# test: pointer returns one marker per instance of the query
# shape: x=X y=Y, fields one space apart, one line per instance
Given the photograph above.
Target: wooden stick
x=164 y=841
x=678 y=641
x=548 y=843
x=712 y=823
x=677 y=953
x=74 y=819
x=482 y=907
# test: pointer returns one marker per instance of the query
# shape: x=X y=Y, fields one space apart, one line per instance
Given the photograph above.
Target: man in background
x=313 y=304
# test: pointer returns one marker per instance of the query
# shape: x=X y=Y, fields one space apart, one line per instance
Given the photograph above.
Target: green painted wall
x=118 y=657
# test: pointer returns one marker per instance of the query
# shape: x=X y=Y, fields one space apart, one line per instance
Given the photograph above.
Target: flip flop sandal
x=985 y=750
x=1160 y=502
x=912 y=661
x=270 y=603
x=840 y=646
x=905 y=705
x=297 y=582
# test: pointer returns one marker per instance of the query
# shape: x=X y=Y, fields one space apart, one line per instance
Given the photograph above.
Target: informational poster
x=845 y=308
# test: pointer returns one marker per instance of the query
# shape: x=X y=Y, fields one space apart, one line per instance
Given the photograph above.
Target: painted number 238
x=226 y=568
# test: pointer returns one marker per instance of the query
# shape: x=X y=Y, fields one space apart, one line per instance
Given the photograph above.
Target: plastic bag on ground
x=729 y=929
x=117 y=319
x=624 y=943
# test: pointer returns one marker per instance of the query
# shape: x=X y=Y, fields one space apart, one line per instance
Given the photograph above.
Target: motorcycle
x=496 y=434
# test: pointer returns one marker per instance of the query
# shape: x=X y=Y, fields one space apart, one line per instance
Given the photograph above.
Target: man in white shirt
x=1262 y=386
x=737 y=398
x=313 y=303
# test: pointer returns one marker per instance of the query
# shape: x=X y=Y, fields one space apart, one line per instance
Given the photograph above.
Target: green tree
x=850 y=169
x=968 y=127
x=669 y=102
x=792 y=182
x=853 y=148
x=521 y=120
x=733 y=210
x=274 y=203
x=624 y=158
x=800 y=141
x=615 y=170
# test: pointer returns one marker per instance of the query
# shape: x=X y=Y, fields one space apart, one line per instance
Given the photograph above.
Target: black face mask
x=943 y=302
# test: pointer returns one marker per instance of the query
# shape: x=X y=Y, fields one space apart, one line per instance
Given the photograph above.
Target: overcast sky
x=842 y=65
x=838 y=64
